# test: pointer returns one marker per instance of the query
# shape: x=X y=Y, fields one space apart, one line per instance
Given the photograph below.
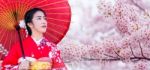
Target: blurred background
x=87 y=25
x=88 y=29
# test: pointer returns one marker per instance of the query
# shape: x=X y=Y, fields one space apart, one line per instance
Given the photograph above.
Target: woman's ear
x=30 y=25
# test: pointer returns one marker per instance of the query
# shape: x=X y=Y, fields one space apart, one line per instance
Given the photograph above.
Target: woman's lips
x=44 y=26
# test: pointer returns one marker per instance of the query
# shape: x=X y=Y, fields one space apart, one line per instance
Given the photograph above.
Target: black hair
x=29 y=16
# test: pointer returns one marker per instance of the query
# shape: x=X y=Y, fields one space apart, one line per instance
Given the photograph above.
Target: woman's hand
x=45 y=59
x=31 y=59
x=24 y=65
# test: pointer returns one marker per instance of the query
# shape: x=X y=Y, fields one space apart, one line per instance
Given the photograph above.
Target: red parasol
x=12 y=11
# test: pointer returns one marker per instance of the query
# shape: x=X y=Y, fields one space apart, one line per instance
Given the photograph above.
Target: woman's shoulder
x=25 y=41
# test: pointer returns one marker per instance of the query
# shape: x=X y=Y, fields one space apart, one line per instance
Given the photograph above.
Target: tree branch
x=137 y=5
x=141 y=49
x=117 y=59
x=132 y=51
x=110 y=56
x=118 y=55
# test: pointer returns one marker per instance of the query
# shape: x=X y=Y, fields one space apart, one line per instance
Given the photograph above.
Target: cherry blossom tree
x=131 y=19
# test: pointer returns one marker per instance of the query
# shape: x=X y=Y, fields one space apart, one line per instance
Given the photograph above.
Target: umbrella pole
x=21 y=45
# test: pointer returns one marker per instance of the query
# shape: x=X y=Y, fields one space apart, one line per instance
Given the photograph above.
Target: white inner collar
x=37 y=41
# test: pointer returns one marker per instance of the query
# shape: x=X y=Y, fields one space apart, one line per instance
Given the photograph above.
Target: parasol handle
x=21 y=45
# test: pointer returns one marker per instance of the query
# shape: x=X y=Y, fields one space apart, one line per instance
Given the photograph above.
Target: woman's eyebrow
x=40 y=16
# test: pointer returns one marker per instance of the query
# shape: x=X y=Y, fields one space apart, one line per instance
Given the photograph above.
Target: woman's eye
x=45 y=18
x=39 y=18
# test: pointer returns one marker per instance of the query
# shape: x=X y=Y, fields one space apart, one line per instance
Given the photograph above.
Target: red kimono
x=31 y=49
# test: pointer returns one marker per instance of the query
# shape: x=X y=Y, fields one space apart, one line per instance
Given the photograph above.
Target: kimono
x=31 y=49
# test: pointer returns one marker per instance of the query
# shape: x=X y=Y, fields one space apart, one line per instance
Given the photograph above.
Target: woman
x=36 y=47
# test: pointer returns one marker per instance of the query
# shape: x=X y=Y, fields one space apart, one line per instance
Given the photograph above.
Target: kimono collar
x=37 y=41
x=41 y=42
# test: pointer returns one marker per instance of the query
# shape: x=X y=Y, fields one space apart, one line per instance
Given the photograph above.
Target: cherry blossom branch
x=132 y=51
x=110 y=56
x=117 y=59
x=137 y=5
x=118 y=55
x=141 y=49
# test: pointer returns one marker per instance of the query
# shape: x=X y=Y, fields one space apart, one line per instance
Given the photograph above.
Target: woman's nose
x=44 y=21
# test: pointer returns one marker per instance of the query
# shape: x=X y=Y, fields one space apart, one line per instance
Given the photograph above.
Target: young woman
x=36 y=46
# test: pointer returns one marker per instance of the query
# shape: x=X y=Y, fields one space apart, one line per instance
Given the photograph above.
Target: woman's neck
x=37 y=36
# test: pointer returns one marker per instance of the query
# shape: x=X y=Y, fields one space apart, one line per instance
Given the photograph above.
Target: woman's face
x=39 y=22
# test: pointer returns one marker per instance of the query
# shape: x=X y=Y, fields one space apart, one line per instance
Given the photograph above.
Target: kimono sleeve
x=57 y=61
x=12 y=58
